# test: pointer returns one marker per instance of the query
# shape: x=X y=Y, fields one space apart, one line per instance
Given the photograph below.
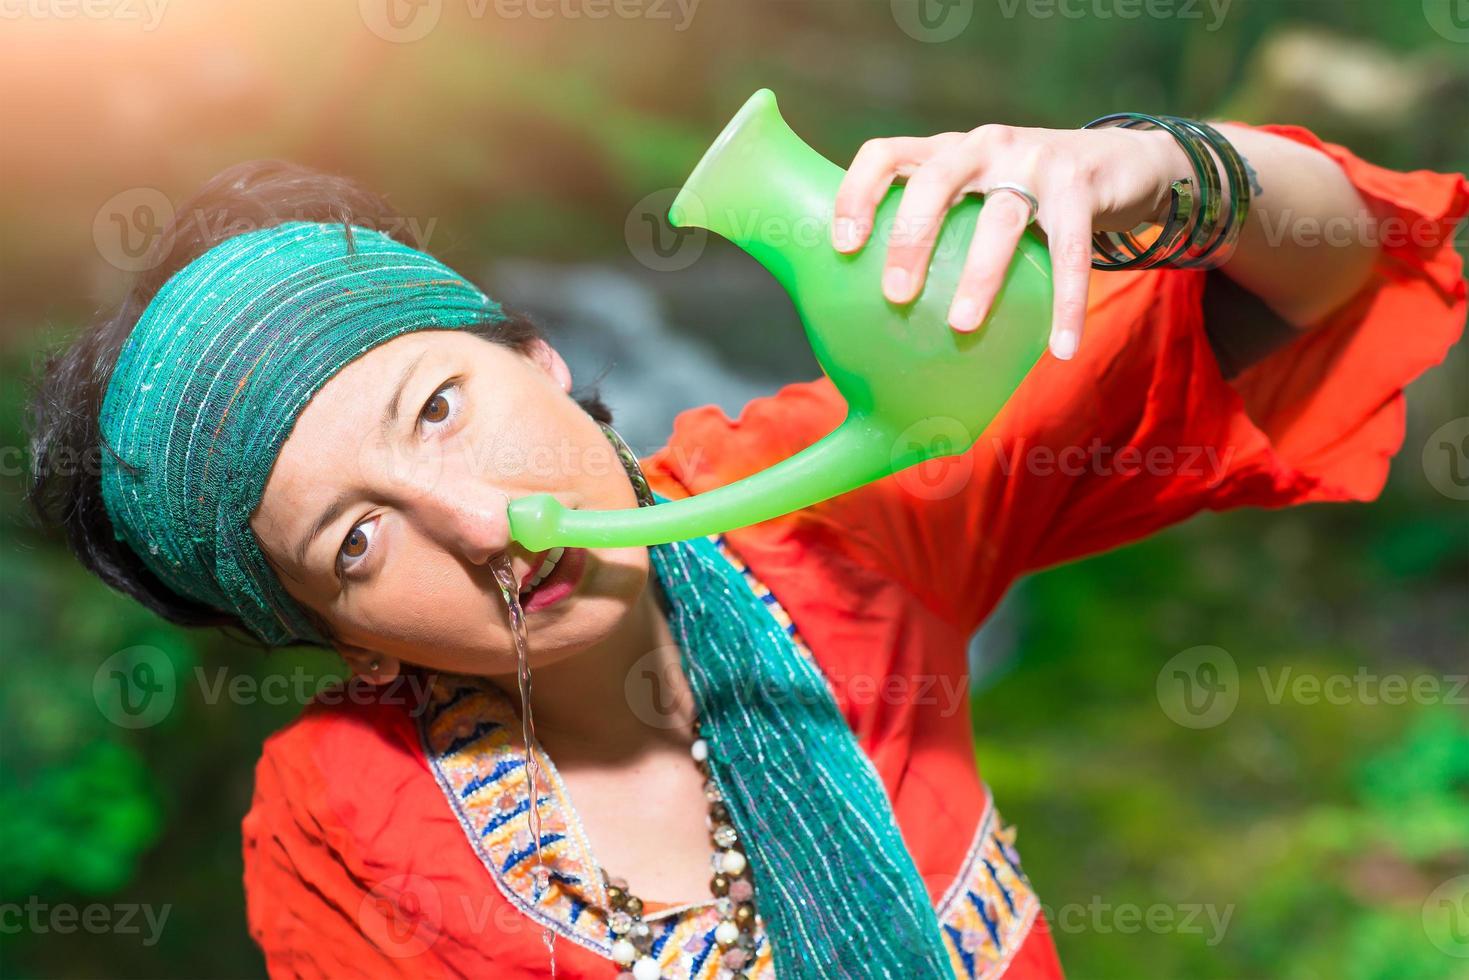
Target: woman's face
x=422 y=441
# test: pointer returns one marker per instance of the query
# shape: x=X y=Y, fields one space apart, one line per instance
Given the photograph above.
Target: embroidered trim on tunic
x=471 y=738
x=989 y=909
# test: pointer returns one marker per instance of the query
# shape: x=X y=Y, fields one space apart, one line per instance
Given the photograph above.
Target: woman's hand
x=1085 y=180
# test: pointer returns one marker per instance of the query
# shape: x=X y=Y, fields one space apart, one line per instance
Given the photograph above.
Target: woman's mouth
x=558 y=576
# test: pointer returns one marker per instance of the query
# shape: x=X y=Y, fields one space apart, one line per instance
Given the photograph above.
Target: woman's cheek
x=411 y=597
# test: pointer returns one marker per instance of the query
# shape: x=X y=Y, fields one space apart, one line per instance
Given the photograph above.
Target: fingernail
x=895 y=284
x=965 y=315
x=844 y=234
x=1063 y=345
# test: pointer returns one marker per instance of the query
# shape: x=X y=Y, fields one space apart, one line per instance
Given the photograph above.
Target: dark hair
x=64 y=489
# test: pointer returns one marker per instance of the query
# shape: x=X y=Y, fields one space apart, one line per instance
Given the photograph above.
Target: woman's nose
x=472 y=521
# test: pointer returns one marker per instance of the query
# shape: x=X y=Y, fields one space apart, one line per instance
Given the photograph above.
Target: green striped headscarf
x=216 y=372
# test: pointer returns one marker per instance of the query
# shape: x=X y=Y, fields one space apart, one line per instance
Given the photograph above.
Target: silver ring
x=1025 y=194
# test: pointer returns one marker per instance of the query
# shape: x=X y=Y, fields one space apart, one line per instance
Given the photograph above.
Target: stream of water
x=505 y=576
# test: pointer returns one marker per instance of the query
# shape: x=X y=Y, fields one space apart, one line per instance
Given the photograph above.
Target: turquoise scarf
x=204 y=394
x=834 y=881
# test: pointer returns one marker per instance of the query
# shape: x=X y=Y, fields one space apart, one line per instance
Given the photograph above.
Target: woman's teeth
x=547 y=567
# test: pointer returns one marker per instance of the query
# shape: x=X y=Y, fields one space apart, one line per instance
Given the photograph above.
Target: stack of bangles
x=1202 y=228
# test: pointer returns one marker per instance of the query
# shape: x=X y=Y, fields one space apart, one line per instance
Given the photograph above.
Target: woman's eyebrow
x=391 y=412
x=332 y=512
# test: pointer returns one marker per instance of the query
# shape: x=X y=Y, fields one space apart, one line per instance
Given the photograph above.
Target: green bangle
x=1192 y=220
x=1219 y=250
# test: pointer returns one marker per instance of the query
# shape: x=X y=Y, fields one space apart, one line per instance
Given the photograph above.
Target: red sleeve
x=1316 y=421
x=1141 y=430
x=313 y=903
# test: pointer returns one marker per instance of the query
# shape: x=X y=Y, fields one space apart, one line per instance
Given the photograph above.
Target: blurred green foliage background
x=522 y=145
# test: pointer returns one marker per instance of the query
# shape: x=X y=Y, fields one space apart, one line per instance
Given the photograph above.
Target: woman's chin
x=501 y=666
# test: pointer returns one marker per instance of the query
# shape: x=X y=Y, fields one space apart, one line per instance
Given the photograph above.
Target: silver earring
x=630 y=463
x=375 y=666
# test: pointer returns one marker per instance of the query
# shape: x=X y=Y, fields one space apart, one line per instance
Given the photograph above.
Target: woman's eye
x=441 y=405
x=356 y=545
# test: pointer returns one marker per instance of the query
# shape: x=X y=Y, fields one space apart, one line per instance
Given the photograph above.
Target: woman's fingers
x=1001 y=222
x=1068 y=226
x=872 y=172
x=940 y=170
x=930 y=192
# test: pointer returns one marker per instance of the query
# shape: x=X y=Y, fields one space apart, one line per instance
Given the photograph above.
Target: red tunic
x=356 y=864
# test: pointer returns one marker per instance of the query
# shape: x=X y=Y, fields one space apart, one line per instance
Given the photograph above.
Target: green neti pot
x=915 y=388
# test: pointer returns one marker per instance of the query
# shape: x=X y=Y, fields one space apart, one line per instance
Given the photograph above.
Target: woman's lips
x=562 y=582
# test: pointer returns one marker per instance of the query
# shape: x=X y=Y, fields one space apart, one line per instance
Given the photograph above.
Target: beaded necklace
x=734 y=895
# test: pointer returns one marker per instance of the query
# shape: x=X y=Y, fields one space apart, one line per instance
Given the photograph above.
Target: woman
x=312 y=432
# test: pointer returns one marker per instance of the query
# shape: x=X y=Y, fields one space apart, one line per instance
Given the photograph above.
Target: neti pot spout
x=915 y=388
